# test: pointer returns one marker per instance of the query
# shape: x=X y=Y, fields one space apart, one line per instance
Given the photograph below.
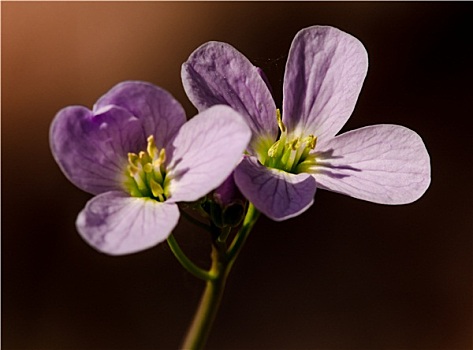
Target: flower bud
x=228 y=205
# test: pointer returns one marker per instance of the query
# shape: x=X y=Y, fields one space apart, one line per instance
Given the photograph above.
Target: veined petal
x=206 y=150
x=116 y=224
x=216 y=73
x=386 y=164
x=276 y=193
x=91 y=149
x=160 y=114
x=323 y=78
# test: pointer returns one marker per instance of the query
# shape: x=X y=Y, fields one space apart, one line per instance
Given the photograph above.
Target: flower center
x=147 y=173
x=291 y=155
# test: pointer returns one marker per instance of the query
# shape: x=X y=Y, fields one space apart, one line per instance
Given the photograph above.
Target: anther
x=156 y=188
x=151 y=147
x=281 y=125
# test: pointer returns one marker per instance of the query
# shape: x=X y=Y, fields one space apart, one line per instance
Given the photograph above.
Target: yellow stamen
x=295 y=144
x=313 y=141
x=281 y=125
x=147 y=173
x=161 y=157
x=151 y=147
x=148 y=168
x=273 y=149
x=156 y=188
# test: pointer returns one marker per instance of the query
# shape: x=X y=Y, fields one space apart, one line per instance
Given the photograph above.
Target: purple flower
x=324 y=74
x=137 y=153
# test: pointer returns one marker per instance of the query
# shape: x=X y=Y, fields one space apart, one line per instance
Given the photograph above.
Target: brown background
x=346 y=274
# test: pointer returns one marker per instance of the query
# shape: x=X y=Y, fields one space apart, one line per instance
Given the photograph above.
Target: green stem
x=250 y=219
x=222 y=262
x=209 y=303
x=186 y=262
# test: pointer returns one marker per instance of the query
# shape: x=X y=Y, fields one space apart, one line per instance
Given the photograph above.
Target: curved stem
x=222 y=262
x=186 y=262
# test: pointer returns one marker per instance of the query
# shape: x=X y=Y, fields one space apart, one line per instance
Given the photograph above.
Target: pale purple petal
x=276 y=193
x=216 y=73
x=116 y=224
x=207 y=149
x=386 y=164
x=323 y=78
x=91 y=149
x=161 y=115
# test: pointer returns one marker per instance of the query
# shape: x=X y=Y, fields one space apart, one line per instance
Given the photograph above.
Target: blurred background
x=346 y=274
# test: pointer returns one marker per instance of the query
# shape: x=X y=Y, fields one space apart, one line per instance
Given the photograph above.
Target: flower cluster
x=135 y=151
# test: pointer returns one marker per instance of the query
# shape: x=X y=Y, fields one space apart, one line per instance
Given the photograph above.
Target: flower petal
x=161 y=115
x=386 y=164
x=117 y=224
x=91 y=149
x=216 y=73
x=323 y=78
x=276 y=193
x=207 y=149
